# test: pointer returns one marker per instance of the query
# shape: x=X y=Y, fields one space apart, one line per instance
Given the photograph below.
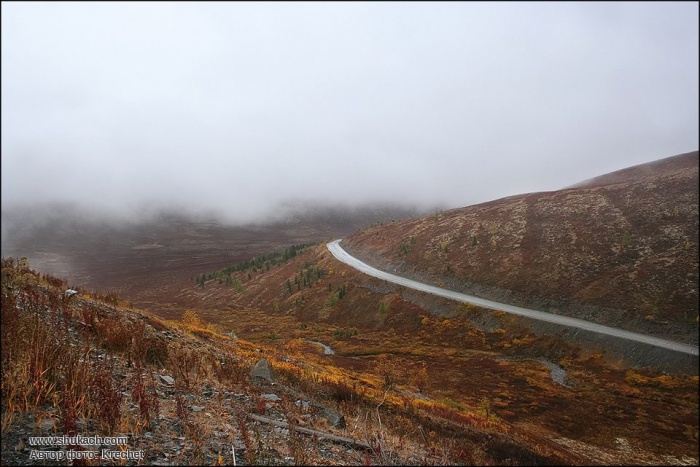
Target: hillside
x=417 y=379
x=176 y=393
x=148 y=258
x=405 y=386
x=621 y=249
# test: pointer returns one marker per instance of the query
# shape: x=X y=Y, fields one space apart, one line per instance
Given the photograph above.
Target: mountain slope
x=470 y=359
x=150 y=257
x=423 y=380
x=180 y=393
x=621 y=249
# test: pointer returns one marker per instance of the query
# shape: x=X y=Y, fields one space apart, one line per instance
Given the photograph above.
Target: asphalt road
x=340 y=254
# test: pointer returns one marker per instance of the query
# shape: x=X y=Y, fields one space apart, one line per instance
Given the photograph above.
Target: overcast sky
x=238 y=107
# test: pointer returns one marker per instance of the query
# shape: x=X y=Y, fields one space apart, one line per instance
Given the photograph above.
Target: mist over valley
x=441 y=233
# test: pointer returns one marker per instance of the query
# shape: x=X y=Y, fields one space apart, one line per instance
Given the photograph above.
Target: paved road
x=343 y=256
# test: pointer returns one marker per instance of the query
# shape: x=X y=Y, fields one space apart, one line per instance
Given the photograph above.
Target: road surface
x=340 y=254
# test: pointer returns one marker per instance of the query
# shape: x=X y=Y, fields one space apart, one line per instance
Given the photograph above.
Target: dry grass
x=398 y=388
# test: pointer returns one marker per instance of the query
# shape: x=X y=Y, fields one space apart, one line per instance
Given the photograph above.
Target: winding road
x=340 y=254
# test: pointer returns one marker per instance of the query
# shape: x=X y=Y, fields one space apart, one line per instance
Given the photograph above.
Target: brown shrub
x=186 y=365
x=156 y=351
x=106 y=398
x=115 y=334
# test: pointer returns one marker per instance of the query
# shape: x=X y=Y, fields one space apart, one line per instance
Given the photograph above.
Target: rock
x=84 y=423
x=271 y=397
x=170 y=445
x=197 y=408
x=336 y=419
x=262 y=370
x=21 y=446
x=48 y=425
x=167 y=379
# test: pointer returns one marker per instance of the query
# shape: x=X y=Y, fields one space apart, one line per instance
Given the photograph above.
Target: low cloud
x=238 y=108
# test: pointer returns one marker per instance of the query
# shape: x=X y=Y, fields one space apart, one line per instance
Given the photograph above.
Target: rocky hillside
x=539 y=383
x=407 y=387
x=75 y=363
x=361 y=371
x=621 y=249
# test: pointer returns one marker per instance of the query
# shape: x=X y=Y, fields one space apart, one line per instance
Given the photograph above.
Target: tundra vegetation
x=415 y=387
x=436 y=371
x=417 y=379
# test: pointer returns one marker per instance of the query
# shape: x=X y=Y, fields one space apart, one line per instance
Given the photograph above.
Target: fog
x=244 y=108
